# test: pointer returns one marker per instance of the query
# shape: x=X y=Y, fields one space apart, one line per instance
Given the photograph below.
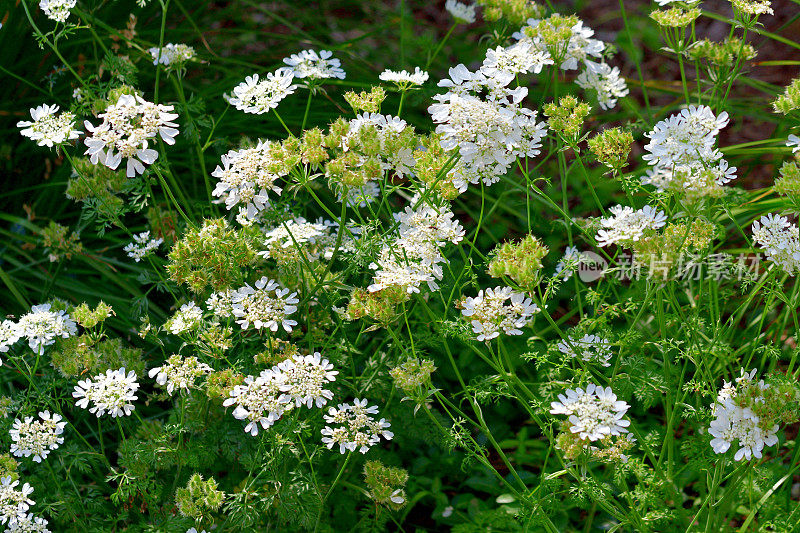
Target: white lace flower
x=10 y=333
x=594 y=413
x=41 y=326
x=780 y=240
x=589 y=348
x=404 y=78
x=519 y=58
x=112 y=392
x=306 y=376
x=605 y=81
x=49 y=127
x=260 y=400
x=28 y=524
x=489 y=313
x=37 y=437
x=14 y=502
x=627 y=225
x=179 y=373
x=142 y=246
x=314 y=66
x=187 y=318
x=257 y=96
x=356 y=428
x=268 y=305
x=575 y=49
x=128 y=128
x=57 y=10
x=793 y=142
x=171 y=54
x=463 y=13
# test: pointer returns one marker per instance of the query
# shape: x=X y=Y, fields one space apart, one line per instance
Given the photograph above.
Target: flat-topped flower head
x=403 y=78
x=142 y=246
x=352 y=427
x=780 y=240
x=57 y=10
x=14 y=500
x=113 y=392
x=28 y=524
x=37 y=437
x=42 y=325
x=258 y=95
x=260 y=401
x=179 y=373
x=605 y=82
x=187 y=318
x=315 y=66
x=627 y=225
x=128 y=130
x=306 y=376
x=594 y=413
x=49 y=127
x=497 y=310
x=564 y=38
x=264 y=305
x=172 y=55
x=519 y=58
x=463 y=13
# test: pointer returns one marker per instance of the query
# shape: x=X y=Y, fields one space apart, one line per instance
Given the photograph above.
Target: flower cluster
x=126 y=131
x=28 y=524
x=741 y=414
x=414 y=256
x=179 y=373
x=564 y=38
x=40 y=327
x=172 y=55
x=57 y=10
x=463 y=13
x=356 y=428
x=14 y=502
x=594 y=414
x=142 y=246
x=412 y=374
x=489 y=313
x=37 y=437
x=519 y=58
x=297 y=381
x=628 y=225
x=314 y=240
x=589 y=348
x=112 y=392
x=780 y=240
x=477 y=103
x=404 y=79
x=267 y=305
x=315 y=66
x=186 y=318
x=257 y=96
x=49 y=127
x=605 y=81
x=683 y=156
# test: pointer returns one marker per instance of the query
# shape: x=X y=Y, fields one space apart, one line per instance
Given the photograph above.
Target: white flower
x=589 y=348
x=258 y=97
x=577 y=48
x=569 y=263
x=260 y=401
x=594 y=413
x=246 y=177
x=41 y=326
x=128 y=128
x=780 y=240
x=221 y=303
x=141 y=246
x=489 y=314
x=605 y=81
x=306 y=375
x=792 y=142
x=37 y=437
x=627 y=225
x=519 y=58
x=28 y=524
x=10 y=333
x=735 y=419
x=49 y=127
x=172 y=54
x=463 y=13
x=404 y=78
x=14 y=503
x=57 y=10
x=185 y=319
x=314 y=66
x=357 y=428
x=268 y=305
x=112 y=392
x=180 y=373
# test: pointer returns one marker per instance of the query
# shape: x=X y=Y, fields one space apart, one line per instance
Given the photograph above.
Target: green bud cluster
x=8 y=467
x=612 y=147
x=520 y=261
x=84 y=354
x=59 y=242
x=555 y=32
x=386 y=484
x=513 y=12
x=380 y=306
x=214 y=255
x=431 y=160
x=566 y=117
x=88 y=317
x=789 y=181
x=412 y=374
x=199 y=498
x=722 y=54
x=675 y=17
x=789 y=100
x=662 y=250
x=366 y=101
